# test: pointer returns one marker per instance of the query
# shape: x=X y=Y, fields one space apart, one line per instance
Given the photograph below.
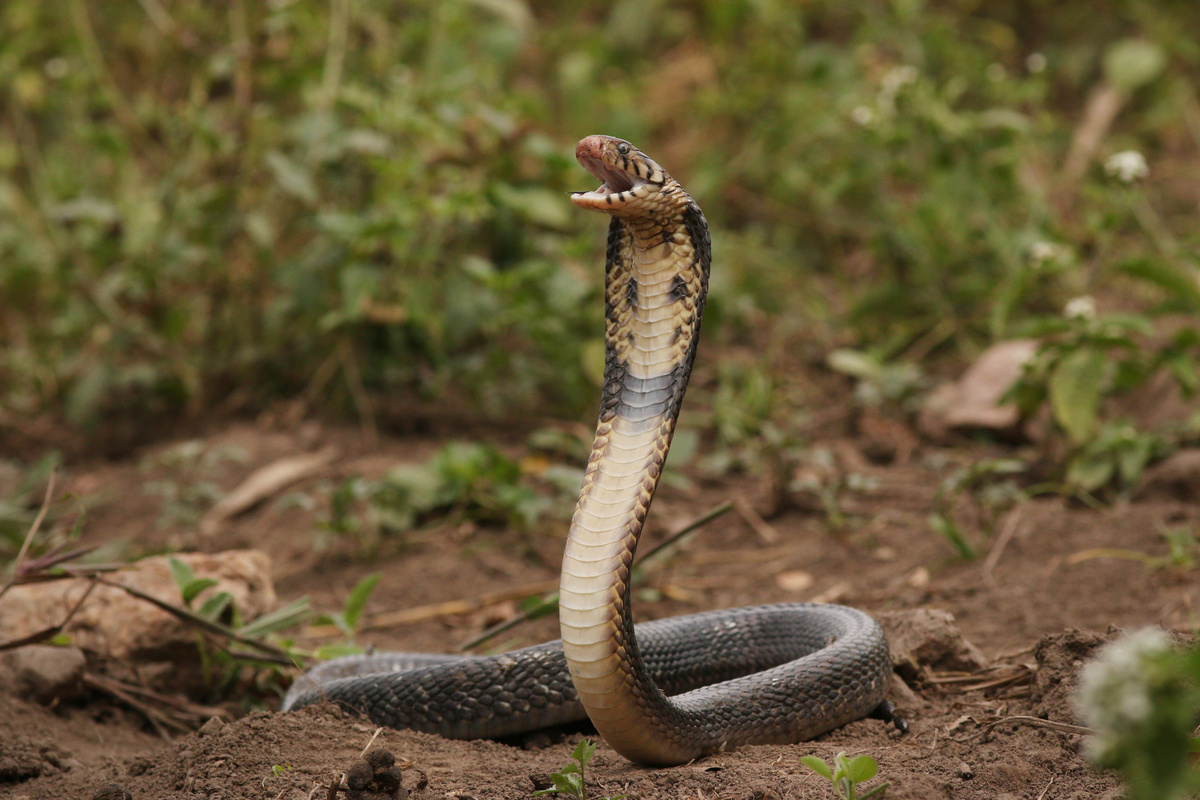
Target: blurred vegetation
x=220 y=205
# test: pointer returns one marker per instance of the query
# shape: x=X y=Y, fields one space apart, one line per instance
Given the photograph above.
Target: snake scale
x=662 y=692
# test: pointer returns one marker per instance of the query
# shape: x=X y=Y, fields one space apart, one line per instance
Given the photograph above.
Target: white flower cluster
x=1042 y=254
x=1114 y=689
x=1127 y=166
x=893 y=82
x=1083 y=307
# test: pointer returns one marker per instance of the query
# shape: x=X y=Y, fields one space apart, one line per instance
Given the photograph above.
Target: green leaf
x=329 y=652
x=537 y=205
x=1183 y=369
x=1132 y=63
x=875 y=790
x=283 y=618
x=1181 y=287
x=953 y=534
x=181 y=573
x=194 y=588
x=1075 y=390
x=292 y=178
x=357 y=599
x=536 y=607
x=584 y=751
x=1090 y=472
x=861 y=768
x=215 y=606
x=818 y=766
x=854 y=363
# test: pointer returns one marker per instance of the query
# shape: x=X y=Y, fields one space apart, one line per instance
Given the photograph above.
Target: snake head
x=630 y=178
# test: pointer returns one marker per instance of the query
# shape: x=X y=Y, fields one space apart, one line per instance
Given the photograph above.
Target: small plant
x=1183 y=551
x=1182 y=546
x=219 y=626
x=348 y=619
x=18 y=506
x=1086 y=358
x=277 y=771
x=1143 y=696
x=990 y=485
x=182 y=480
x=880 y=378
x=846 y=774
x=570 y=779
x=462 y=481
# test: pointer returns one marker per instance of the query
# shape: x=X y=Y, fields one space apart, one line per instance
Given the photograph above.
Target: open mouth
x=614 y=180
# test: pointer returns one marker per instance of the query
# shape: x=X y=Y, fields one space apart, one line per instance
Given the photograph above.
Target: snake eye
x=623 y=149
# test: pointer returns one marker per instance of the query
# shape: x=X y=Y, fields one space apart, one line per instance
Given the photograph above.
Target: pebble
x=212 y=727
x=46 y=673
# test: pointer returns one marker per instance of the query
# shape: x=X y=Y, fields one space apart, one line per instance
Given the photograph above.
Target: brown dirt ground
x=1024 y=606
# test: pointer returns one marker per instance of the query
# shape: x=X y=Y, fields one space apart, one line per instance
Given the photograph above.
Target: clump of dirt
x=1059 y=657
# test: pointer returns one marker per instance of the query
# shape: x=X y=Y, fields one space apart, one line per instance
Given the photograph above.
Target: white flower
x=1042 y=253
x=1127 y=166
x=1114 y=689
x=57 y=67
x=1083 y=307
x=899 y=77
x=1035 y=63
x=864 y=116
x=895 y=80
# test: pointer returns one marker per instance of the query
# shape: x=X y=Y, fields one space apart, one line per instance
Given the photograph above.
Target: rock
x=120 y=628
x=903 y=695
x=965 y=772
x=44 y=673
x=211 y=727
x=973 y=401
x=927 y=639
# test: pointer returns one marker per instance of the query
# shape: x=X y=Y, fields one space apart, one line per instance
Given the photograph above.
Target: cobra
x=662 y=692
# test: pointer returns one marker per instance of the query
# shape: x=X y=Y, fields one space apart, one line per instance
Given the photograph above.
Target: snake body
x=660 y=692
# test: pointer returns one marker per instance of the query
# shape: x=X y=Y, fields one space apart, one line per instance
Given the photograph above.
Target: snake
x=662 y=692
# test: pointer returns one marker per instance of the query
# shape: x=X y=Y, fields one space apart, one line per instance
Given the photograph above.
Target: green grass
x=208 y=209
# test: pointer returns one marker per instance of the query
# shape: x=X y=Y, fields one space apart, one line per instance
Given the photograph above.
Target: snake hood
x=631 y=180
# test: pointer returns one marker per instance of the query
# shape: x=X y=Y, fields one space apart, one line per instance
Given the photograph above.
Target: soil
x=1036 y=603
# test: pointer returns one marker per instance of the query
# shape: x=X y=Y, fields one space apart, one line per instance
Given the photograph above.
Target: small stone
x=45 y=673
x=212 y=727
x=359 y=775
x=965 y=772
x=794 y=580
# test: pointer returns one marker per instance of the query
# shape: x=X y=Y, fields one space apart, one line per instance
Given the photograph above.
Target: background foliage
x=219 y=205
